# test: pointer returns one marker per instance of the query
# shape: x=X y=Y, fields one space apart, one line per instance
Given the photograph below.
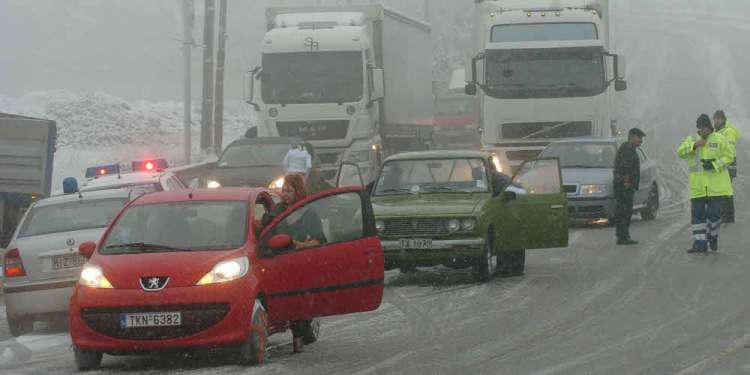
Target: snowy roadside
x=98 y=128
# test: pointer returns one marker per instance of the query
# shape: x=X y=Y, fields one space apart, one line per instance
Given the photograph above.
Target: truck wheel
x=486 y=266
x=310 y=331
x=87 y=359
x=652 y=206
x=253 y=350
x=20 y=326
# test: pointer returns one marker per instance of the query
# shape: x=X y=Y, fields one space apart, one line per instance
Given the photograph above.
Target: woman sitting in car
x=304 y=226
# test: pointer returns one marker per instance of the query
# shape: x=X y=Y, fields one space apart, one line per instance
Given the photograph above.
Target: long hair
x=297 y=182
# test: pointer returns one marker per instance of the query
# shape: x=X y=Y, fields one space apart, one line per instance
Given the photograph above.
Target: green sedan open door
x=533 y=209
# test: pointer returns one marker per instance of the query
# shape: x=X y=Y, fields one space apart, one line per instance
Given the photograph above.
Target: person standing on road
x=627 y=176
x=298 y=160
x=708 y=155
x=732 y=135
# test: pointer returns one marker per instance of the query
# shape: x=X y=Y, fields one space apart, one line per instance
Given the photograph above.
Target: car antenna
x=190 y=194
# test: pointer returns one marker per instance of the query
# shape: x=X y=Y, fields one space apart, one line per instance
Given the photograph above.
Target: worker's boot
x=713 y=243
x=297 y=344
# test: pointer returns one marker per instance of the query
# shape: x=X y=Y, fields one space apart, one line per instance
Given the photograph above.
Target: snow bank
x=98 y=128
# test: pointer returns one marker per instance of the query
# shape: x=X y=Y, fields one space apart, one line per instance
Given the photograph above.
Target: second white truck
x=354 y=81
x=543 y=70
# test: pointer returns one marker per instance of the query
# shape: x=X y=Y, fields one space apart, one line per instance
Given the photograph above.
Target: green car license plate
x=416 y=243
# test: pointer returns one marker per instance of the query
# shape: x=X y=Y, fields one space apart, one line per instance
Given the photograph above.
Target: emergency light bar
x=102 y=170
x=152 y=165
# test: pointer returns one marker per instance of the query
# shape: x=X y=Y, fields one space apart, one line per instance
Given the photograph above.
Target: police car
x=150 y=175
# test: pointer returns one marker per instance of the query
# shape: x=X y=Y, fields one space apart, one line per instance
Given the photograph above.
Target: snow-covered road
x=592 y=308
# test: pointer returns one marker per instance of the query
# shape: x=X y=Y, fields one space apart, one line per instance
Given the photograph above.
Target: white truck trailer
x=354 y=81
x=27 y=148
x=546 y=72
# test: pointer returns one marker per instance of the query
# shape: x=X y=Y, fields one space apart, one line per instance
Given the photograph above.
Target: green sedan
x=454 y=208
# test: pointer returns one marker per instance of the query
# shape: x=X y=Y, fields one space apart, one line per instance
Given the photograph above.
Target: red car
x=179 y=270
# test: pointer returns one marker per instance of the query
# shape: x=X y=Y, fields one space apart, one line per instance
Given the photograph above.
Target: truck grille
x=522 y=155
x=547 y=130
x=405 y=228
x=195 y=318
x=314 y=130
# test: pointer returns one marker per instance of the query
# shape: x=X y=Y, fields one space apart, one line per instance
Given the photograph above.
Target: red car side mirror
x=87 y=249
x=280 y=242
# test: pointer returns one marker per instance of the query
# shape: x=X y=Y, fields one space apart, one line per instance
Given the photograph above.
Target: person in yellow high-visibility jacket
x=708 y=155
x=732 y=134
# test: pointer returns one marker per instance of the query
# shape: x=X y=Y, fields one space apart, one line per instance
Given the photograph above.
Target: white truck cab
x=323 y=78
x=546 y=73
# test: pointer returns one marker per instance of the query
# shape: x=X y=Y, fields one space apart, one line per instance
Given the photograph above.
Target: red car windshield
x=181 y=226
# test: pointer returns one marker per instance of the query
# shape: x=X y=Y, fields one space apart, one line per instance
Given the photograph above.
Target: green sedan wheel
x=486 y=266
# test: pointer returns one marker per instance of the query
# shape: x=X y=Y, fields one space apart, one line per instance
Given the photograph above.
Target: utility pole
x=220 y=60
x=207 y=106
x=188 y=14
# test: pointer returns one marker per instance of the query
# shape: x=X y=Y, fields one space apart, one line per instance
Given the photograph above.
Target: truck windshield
x=432 y=176
x=179 y=226
x=543 y=32
x=69 y=217
x=545 y=73
x=254 y=155
x=312 y=77
x=582 y=155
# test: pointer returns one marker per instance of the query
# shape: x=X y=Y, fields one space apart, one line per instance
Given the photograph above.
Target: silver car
x=41 y=262
x=587 y=167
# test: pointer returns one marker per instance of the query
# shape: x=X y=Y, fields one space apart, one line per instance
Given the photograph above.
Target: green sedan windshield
x=432 y=176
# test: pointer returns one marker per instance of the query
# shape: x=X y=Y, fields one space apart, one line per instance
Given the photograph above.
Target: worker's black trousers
x=623 y=213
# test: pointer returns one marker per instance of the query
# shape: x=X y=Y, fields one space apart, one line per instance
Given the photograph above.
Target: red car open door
x=335 y=263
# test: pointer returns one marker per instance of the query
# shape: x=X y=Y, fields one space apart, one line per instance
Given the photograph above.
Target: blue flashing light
x=102 y=170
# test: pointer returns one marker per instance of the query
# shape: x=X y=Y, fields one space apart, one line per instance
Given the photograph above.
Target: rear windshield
x=183 y=226
x=147 y=187
x=69 y=217
x=254 y=155
x=582 y=155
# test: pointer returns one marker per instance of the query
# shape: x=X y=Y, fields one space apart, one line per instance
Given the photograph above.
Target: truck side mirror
x=378 y=84
x=621 y=85
x=620 y=67
x=249 y=88
x=474 y=74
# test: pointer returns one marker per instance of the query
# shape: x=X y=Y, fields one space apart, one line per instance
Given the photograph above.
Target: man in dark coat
x=627 y=176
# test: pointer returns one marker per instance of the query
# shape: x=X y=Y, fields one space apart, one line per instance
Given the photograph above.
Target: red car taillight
x=13 y=266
